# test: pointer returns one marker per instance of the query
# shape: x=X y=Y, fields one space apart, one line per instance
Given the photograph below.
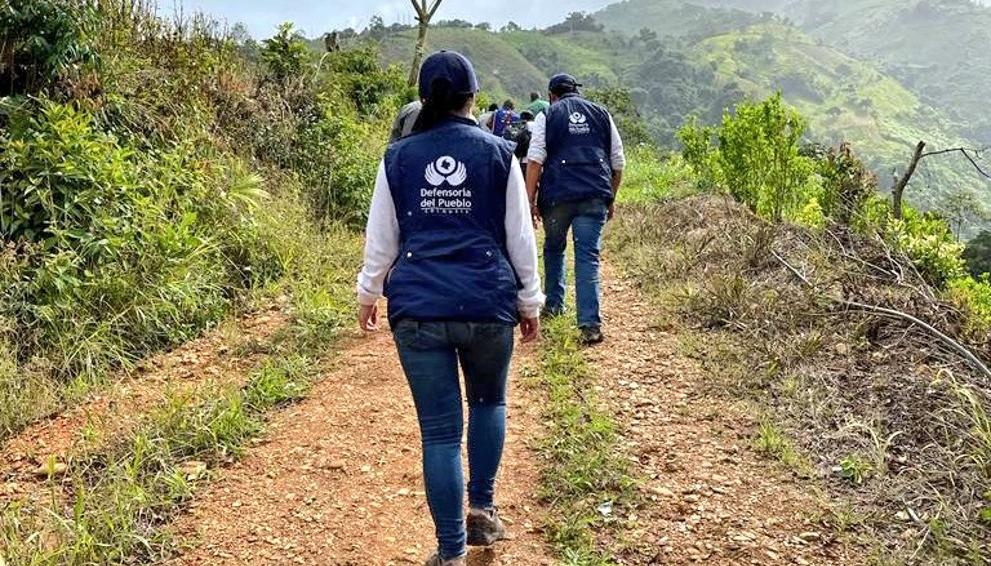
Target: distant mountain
x=684 y=58
x=844 y=99
x=940 y=49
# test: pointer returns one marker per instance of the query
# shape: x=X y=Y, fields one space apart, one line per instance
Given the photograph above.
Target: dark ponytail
x=440 y=103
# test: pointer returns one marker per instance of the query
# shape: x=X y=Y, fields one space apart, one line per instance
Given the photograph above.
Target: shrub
x=285 y=54
x=973 y=297
x=121 y=250
x=756 y=158
x=44 y=40
x=700 y=153
x=847 y=184
x=759 y=156
x=929 y=242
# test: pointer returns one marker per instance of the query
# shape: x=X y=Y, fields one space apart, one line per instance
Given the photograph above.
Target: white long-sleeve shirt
x=382 y=242
x=538 y=143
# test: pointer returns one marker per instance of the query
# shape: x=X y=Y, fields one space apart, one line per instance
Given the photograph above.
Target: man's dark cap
x=452 y=66
x=563 y=83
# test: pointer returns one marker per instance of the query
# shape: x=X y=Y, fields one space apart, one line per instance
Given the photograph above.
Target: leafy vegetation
x=159 y=178
x=724 y=269
x=142 y=166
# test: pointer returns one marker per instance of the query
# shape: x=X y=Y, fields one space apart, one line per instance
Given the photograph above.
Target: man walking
x=504 y=118
x=576 y=159
x=537 y=105
x=404 y=122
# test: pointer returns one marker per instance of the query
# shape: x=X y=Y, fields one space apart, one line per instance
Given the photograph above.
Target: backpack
x=520 y=134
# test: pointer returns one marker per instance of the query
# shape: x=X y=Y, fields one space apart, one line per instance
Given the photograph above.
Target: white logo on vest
x=453 y=200
x=579 y=124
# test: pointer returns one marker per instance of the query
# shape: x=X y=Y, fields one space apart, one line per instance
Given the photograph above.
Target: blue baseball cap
x=449 y=65
x=563 y=82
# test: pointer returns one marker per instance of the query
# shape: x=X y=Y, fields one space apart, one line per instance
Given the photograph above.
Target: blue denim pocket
x=414 y=335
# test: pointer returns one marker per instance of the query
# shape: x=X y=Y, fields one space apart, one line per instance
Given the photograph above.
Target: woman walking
x=450 y=242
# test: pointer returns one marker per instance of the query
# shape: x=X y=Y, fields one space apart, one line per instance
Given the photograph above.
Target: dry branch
x=959 y=348
x=898 y=190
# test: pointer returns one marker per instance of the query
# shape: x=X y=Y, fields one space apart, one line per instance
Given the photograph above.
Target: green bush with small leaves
x=756 y=157
x=139 y=183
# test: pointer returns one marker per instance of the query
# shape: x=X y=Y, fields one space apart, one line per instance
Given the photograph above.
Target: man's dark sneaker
x=484 y=527
x=546 y=314
x=592 y=335
x=435 y=560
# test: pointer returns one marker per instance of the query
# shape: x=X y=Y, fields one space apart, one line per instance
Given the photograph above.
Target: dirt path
x=709 y=498
x=222 y=356
x=337 y=480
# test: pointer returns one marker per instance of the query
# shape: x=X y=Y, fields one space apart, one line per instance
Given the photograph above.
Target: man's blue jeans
x=586 y=220
x=430 y=353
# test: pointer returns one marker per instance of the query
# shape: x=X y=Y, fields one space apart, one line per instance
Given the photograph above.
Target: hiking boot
x=436 y=561
x=591 y=335
x=484 y=527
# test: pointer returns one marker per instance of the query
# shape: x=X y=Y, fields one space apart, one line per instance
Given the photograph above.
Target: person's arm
x=521 y=243
x=618 y=161
x=396 y=133
x=381 y=251
x=536 y=156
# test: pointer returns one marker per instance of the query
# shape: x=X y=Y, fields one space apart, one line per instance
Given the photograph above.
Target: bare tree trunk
x=418 y=51
x=898 y=191
x=423 y=15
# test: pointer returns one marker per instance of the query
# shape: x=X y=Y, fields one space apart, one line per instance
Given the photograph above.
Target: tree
x=510 y=27
x=898 y=190
x=424 y=14
x=376 y=28
x=576 y=21
x=964 y=208
x=978 y=254
x=285 y=53
x=484 y=26
x=619 y=101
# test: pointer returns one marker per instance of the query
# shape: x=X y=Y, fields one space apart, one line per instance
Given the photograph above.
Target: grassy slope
x=924 y=46
x=845 y=100
x=675 y=18
x=585 y=55
x=502 y=69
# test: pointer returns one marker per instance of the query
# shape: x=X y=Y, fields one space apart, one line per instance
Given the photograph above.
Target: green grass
x=115 y=504
x=118 y=499
x=586 y=483
x=651 y=176
x=771 y=441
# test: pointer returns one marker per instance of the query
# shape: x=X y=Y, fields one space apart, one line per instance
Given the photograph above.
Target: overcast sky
x=316 y=17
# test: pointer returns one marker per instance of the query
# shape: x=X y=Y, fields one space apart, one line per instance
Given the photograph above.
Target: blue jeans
x=586 y=220
x=430 y=353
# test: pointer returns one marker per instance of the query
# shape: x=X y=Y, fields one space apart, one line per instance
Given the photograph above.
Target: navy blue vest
x=579 y=148
x=449 y=188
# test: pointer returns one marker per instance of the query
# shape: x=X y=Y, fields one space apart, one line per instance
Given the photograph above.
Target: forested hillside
x=936 y=48
x=682 y=60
